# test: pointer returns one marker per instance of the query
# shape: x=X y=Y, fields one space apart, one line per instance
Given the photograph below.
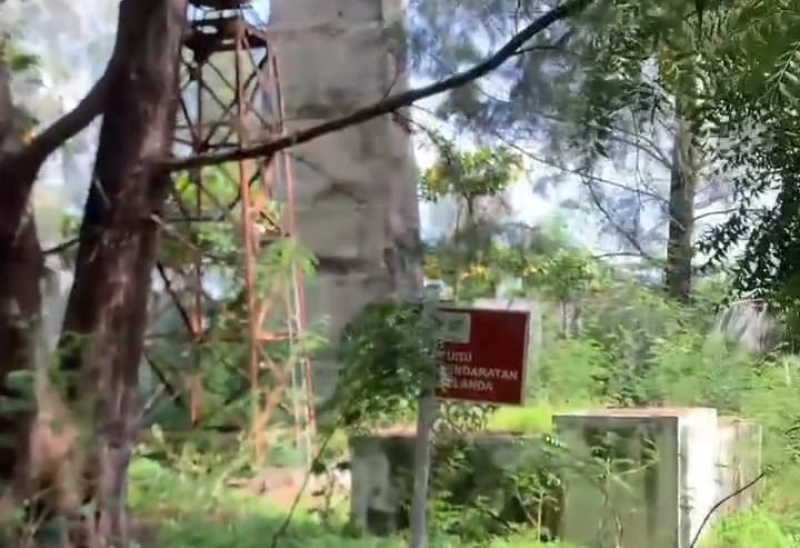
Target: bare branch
x=390 y=104
x=630 y=238
x=716 y=212
x=72 y=123
x=649 y=193
x=20 y=169
x=171 y=390
x=560 y=45
x=63 y=246
x=645 y=145
x=187 y=322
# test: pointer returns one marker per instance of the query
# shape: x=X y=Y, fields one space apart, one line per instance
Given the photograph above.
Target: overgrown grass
x=534 y=419
x=754 y=528
x=189 y=512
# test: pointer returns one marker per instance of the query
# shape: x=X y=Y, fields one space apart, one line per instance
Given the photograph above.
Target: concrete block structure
x=649 y=476
x=356 y=198
x=739 y=463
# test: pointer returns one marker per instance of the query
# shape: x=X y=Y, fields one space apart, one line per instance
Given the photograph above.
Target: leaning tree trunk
x=683 y=185
x=106 y=315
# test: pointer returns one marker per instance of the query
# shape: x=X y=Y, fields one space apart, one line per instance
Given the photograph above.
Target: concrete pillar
x=355 y=189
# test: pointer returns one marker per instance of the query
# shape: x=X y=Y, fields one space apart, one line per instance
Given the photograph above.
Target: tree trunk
x=105 y=321
x=21 y=268
x=683 y=185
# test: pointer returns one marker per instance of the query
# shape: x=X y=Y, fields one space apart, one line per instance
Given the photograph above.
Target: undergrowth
x=633 y=349
x=189 y=511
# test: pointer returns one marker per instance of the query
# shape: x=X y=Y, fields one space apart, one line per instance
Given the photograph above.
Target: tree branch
x=20 y=169
x=71 y=123
x=630 y=238
x=390 y=104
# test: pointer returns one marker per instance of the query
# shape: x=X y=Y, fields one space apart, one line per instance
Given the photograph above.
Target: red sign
x=484 y=355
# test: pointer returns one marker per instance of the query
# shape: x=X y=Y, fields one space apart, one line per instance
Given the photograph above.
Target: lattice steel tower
x=230 y=97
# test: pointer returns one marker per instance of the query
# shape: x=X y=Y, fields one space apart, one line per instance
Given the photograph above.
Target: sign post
x=484 y=357
x=426 y=418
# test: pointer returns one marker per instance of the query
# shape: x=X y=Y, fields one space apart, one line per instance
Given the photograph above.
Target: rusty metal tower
x=230 y=97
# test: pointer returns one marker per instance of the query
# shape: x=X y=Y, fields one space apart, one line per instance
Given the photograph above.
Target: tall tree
x=754 y=107
x=20 y=298
x=106 y=315
x=599 y=90
x=477 y=181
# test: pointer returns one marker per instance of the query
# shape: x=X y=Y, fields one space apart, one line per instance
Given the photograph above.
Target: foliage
x=755 y=528
x=597 y=91
x=389 y=357
x=219 y=362
x=483 y=173
x=479 y=260
x=633 y=347
x=193 y=513
x=754 y=114
x=477 y=180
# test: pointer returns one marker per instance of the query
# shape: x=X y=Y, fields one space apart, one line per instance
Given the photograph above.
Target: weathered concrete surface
x=750 y=325
x=622 y=478
x=668 y=468
x=495 y=468
x=357 y=208
x=738 y=464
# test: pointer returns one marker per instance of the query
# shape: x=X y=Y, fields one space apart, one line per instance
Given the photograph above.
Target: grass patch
x=537 y=419
x=193 y=512
x=754 y=528
x=531 y=419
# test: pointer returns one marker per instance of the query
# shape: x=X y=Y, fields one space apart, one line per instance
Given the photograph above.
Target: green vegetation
x=707 y=91
x=192 y=512
x=633 y=346
x=607 y=339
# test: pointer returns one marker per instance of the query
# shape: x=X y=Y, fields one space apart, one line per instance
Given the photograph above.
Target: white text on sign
x=454 y=356
x=457 y=376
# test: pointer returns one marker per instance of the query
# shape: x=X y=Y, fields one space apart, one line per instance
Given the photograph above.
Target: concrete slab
x=335 y=300
x=343 y=229
x=648 y=478
x=352 y=161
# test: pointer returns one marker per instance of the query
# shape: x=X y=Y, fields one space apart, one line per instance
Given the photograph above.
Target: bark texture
x=106 y=315
x=683 y=186
x=21 y=268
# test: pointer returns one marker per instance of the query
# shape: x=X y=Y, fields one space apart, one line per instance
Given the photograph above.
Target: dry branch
x=390 y=104
x=71 y=123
